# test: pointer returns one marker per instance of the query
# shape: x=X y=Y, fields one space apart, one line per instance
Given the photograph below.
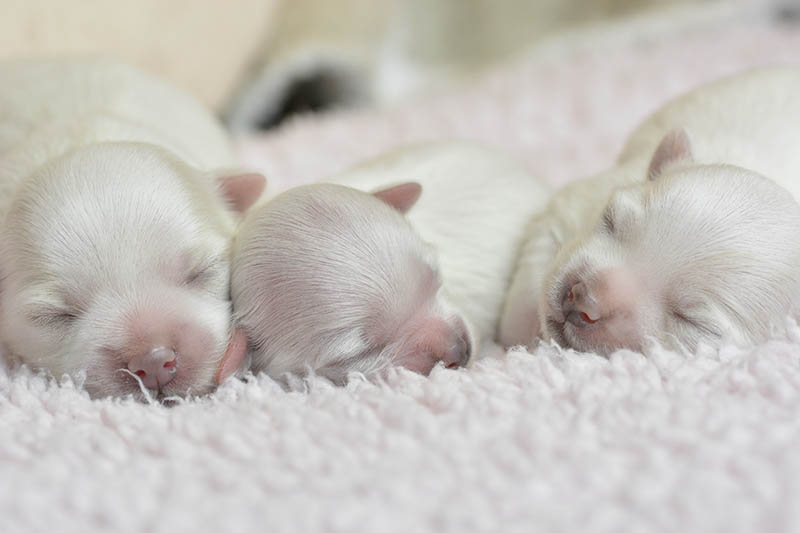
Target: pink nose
x=458 y=348
x=155 y=368
x=604 y=310
x=580 y=307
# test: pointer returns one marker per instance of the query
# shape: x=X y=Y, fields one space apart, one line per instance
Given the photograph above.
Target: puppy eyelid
x=699 y=325
x=682 y=317
x=198 y=274
x=202 y=272
x=53 y=316
x=608 y=220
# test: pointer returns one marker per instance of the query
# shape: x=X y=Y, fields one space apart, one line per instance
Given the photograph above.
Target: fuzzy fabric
x=545 y=441
x=555 y=441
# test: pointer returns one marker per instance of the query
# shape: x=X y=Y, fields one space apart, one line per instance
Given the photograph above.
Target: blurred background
x=200 y=45
x=257 y=62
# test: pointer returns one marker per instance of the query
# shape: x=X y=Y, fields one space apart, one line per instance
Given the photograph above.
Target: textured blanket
x=550 y=440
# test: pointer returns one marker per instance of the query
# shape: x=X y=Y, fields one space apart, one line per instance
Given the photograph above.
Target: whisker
x=144 y=389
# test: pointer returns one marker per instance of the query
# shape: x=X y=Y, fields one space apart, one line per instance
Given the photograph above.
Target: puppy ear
x=242 y=190
x=674 y=148
x=402 y=197
x=235 y=357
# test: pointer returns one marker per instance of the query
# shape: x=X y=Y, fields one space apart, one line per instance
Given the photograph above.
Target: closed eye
x=53 y=317
x=683 y=318
x=608 y=220
x=201 y=274
x=700 y=325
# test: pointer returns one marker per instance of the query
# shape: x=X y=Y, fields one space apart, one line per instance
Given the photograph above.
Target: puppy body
x=473 y=205
x=115 y=233
x=51 y=107
x=443 y=268
x=691 y=238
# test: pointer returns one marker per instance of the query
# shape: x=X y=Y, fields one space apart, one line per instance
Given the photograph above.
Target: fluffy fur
x=331 y=278
x=691 y=238
x=115 y=236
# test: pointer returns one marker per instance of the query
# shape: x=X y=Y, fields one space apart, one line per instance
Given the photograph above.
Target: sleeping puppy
x=336 y=280
x=692 y=238
x=116 y=229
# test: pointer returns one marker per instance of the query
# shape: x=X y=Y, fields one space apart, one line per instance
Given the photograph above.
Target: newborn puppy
x=692 y=238
x=330 y=278
x=116 y=229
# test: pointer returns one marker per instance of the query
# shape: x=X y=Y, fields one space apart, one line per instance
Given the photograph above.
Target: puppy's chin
x=421 y=363
x=561 y=333
x=112 y=375
x=117 y=381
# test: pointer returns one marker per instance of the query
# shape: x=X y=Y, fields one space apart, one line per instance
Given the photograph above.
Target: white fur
x=354 y=283
x=705 y=250
x=109 y=206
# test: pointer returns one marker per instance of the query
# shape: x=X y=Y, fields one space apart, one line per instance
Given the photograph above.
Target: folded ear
x=402 y=197
x=242 y=190
x=235 y=357
x=674 y=148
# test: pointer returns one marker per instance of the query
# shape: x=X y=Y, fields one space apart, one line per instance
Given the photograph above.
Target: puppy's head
x=695 y=253
x=115 y=262
x=333 y=279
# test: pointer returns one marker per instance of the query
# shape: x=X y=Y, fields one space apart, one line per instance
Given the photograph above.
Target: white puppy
x=337 y=280
x=692 y=238
x=115 y=236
